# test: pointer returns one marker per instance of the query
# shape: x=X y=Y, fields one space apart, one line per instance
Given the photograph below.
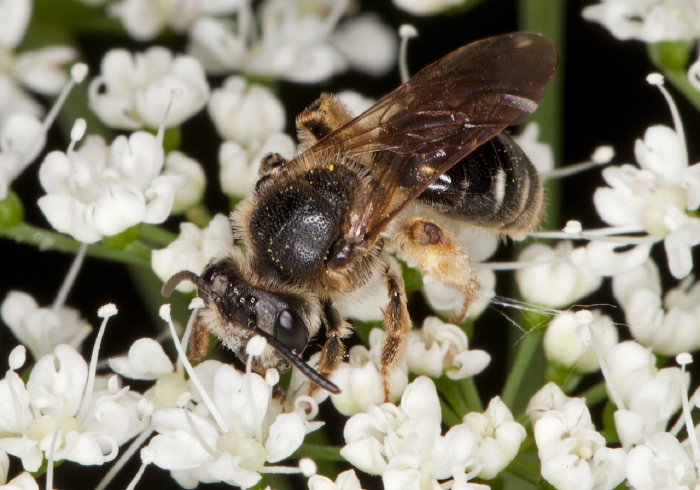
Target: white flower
x=540 y=154
x=192 y=250
x=573 y=455
x=245 y=113
x=347 y=480
x=360 y=379
x=367 y=43
x=653 y=393
x=23 y=481
x=651 y=21
x=179 y=164
x=656 y=197
x=234 y=448
x=292 y=41
x=441 y=348
x=404 y=444
x=42 y=329
x=22 y=137
x=91 y=425
x=562 y=278
x=427 y=7
x=239 y=166
x=669 y=326
x=101 y=191
x=660 y=462
x=145 y=19
x=134 y=91
x=568 y=342
x=40 y=70
x=499 y=437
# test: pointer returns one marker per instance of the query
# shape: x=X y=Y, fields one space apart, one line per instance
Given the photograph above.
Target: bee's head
x=238 y=310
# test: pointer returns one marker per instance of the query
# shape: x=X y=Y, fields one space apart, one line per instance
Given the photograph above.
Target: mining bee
x=317 y=229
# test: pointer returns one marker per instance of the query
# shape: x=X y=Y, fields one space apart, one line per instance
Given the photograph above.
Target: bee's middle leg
x=397 y=322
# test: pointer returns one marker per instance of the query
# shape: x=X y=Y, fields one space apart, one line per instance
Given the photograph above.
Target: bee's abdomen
x=495 y=187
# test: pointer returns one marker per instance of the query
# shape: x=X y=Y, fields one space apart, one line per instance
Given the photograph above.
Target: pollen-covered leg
x=333 y=350
x=397 y=322
x=436 y=252
x=320 y=119
x=199 y=338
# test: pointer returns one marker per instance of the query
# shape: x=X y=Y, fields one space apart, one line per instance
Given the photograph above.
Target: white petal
x=680 y=260
x=43 y=70
x=117 y=209
x=366 y=455
x=57 y=382
x=146 y=360
x=160 y=197
x=67 y=215
x=286 y=435
x=368 y=43
x=14 y=18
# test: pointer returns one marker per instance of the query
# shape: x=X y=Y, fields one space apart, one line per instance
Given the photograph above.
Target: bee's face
x=244 y=308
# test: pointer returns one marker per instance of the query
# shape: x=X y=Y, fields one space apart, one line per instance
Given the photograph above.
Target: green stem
x=595 y=394
x=527 y=348
x=672 y=59
x=156 y=236
x=318 y=453
x=135 y=253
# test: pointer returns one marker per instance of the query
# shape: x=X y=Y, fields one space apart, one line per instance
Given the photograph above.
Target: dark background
x=606 y=101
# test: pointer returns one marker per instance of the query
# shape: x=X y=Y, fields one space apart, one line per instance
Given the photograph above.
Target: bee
x=317 y=229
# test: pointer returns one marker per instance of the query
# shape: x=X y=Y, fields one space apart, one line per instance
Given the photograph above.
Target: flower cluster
x=127 y=180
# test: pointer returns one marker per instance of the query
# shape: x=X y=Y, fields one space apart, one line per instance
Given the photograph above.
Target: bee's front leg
x=333 y=350
x=435 y=251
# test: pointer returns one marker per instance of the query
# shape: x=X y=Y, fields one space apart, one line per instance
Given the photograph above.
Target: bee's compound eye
x=291 y=331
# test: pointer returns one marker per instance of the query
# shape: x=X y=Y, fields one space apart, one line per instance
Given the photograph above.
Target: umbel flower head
x=102 y=190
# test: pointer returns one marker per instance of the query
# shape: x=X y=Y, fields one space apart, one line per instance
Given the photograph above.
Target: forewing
x=444 y=112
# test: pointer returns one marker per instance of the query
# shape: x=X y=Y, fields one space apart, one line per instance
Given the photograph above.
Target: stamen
x=307 y=467
x=198 y=435
x=683 y=359
x=18 y=354
x=334 y=16
x=165 y=315
x=511 y=266
x=147 y=457
x=78 y=73
x=601 y=156
x=163 y=122
x=406 y=32
x=194 y=305
x=77 y=133
x=70 y=278
x=105 y=312
x=124 y=458
x=658 y=80
x=255 y=347
x=49 y=459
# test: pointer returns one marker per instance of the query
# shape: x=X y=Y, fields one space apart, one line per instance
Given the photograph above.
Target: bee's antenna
x=182 y=276
x=298 y=362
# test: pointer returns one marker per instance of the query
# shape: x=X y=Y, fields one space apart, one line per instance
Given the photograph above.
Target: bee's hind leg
x=436 y=252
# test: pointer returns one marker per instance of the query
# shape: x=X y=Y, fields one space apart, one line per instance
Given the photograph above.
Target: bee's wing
x=444 y=112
